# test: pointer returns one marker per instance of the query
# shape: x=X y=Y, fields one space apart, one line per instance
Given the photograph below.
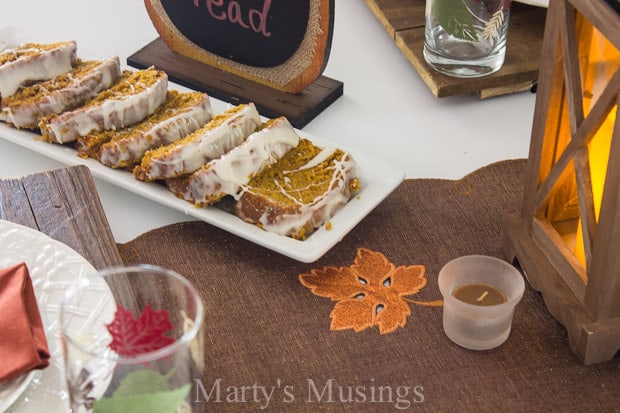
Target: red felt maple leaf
x=133 y=336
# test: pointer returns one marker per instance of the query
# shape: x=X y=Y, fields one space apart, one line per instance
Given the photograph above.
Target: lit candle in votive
x=480 y=294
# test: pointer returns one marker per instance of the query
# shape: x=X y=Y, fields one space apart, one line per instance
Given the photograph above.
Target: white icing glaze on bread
x=219 y=136
x=29 y=105
x=225 y=175
x=33 y=62
x=168 y=124
x=301 y=192
x=136 y=96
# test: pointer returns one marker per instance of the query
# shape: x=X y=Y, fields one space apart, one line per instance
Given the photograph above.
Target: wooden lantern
x=566 y=237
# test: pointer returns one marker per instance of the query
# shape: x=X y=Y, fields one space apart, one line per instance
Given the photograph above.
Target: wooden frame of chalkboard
x=270 y=52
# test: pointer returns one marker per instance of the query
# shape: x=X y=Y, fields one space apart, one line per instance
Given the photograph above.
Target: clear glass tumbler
x=132 y=339
x=466 y=38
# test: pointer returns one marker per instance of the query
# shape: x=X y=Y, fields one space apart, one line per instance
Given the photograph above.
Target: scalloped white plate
x=12 y=390
x=53 y=267
x=378 y=179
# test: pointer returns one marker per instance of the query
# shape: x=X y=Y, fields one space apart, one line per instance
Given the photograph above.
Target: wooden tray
x=404 y=22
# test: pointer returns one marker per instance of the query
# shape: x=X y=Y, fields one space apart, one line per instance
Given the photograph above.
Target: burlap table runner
x=268 y=339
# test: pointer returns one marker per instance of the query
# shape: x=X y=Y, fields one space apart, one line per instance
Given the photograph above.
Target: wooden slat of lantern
x=567 y=235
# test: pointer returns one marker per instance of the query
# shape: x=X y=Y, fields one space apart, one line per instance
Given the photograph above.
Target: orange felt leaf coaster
x=369 y=292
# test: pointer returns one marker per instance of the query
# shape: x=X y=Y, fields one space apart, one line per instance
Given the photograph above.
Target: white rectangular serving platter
x=378 y=179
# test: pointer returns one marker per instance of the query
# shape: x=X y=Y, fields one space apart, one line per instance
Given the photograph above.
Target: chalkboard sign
x=283 y=44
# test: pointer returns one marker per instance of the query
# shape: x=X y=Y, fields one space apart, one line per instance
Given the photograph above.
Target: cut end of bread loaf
x=300 y=192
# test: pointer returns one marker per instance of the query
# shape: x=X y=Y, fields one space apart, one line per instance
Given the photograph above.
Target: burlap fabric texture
x=268 y=338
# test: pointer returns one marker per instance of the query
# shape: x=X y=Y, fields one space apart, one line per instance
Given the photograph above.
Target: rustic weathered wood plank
x=14 y=204
x=63 y=204
x=397 y=15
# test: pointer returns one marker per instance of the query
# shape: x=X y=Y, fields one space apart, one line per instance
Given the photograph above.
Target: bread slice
x=30 y=104
x=32 y=62
x=180 y=115
x=220 y=135
x=226 y=174
x=300 y=192
x=134 y=97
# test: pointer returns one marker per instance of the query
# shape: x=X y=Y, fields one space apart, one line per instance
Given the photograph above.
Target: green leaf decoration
x=157 y=402
x=142 y=381
x=143 y=391
x=455 y=18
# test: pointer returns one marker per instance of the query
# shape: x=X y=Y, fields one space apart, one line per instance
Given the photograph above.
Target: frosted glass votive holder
x=476 y=326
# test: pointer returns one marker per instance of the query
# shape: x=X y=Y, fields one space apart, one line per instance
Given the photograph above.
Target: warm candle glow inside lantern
x=598 y=152
x=567 y=235
x=602 y=60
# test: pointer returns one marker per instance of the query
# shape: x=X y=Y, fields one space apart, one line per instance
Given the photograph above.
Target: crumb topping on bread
x=33 y=62
x=226 y=174
x=134 y=97
x=30 y=104
x=180 y=114
x=300 y=192
x=220 y=135
x=27 y=50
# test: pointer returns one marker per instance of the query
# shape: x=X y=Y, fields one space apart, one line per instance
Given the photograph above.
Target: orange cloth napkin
x=23 y=346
